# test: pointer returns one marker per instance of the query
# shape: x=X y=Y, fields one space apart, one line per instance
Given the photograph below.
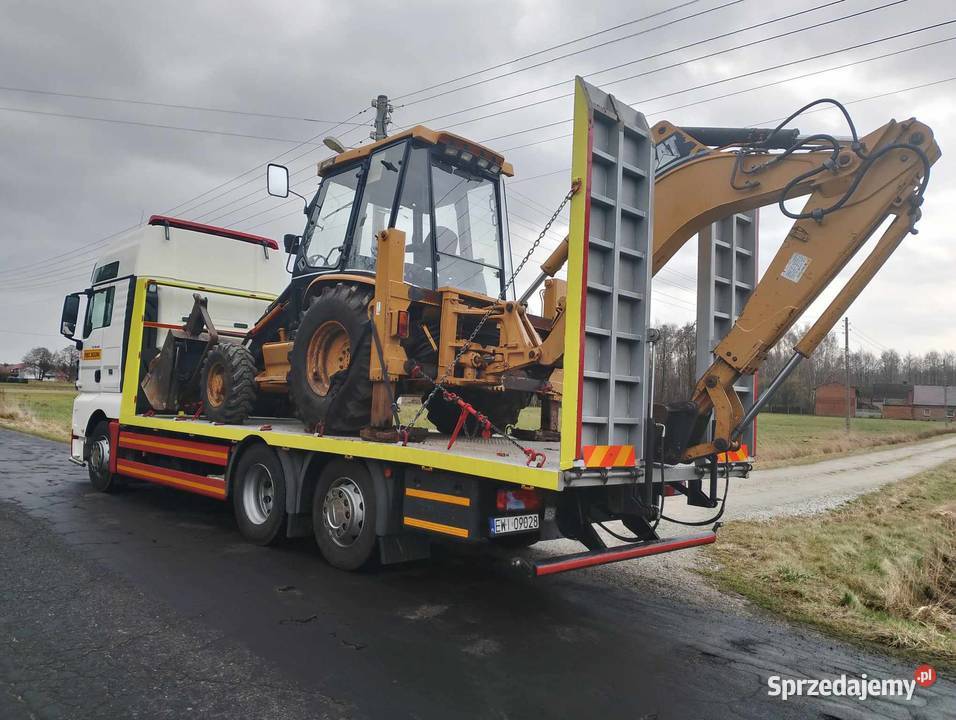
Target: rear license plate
x=513 y=524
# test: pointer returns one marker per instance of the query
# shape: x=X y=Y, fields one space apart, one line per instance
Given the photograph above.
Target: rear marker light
x=402 y=329
x=508 y=500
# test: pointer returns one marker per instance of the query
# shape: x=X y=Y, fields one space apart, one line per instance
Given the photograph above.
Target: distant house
x=830 y=400
x=924 y=402
x=15 y=371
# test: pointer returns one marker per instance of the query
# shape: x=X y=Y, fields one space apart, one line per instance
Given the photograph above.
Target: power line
x=634 y=62
x=767 y=122
x=94 y=246
x=308 y=152
x=578 y=52
x=686 y=62
x=274 y=159
x=647 y=30
x=20 y=332
x=548 y=49
x=875 y=97
x=774 y=82
x=161 y=126
x=176 y=106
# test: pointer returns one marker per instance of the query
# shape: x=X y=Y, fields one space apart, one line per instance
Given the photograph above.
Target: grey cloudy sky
x=69 y=183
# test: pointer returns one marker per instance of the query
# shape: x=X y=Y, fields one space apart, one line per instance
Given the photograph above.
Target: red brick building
x=925 y=402
x=830 y=400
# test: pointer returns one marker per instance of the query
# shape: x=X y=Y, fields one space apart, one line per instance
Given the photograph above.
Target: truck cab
x=98 y=318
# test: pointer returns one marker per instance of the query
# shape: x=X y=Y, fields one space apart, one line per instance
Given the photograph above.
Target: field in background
x=44 y=409
x=38 y=408
x=796 y=439
x=880 y=569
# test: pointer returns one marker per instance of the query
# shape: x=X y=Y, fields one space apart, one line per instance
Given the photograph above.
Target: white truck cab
x=97 y=319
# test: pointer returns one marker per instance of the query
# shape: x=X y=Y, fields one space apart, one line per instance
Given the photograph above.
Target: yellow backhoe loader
x=403 y=279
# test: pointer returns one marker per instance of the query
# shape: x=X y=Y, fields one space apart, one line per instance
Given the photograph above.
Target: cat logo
x=92 y=354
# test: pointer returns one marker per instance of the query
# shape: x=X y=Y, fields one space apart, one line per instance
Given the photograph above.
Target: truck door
x=101 y=360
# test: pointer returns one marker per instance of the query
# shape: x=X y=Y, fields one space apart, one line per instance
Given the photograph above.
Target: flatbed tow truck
x=189 y=349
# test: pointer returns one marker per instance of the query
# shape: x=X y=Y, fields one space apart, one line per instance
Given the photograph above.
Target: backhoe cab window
x=414 y=219
x=375 y=208
x=466 y=231
x=325 y=235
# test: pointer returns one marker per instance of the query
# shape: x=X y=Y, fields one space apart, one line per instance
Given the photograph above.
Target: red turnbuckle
x=198 y=412
x=403 y=436
x=466 y=410
x=535 y=456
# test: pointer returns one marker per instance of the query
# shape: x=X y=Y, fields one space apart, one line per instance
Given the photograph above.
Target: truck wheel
x=228 y=385
x=343 y=515
x=329 y=378
x=98 y=464
x=501 y=410
x=258 y=496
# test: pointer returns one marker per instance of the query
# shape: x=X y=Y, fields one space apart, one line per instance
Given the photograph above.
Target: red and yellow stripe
x=608 y=456
x=741 y=455
x=208 y=486
x=186 y=449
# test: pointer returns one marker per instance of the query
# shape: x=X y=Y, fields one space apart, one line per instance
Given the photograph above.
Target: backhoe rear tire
x=329 y=378
x=228 y=385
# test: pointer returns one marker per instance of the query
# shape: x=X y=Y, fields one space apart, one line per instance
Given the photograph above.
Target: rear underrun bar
x=539 y=568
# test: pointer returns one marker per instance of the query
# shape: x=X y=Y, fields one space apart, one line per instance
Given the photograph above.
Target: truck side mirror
x=71 y=309
x=291 y=243
x=277 y=180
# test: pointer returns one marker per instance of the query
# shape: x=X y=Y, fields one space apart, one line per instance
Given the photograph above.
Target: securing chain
x=439 y=385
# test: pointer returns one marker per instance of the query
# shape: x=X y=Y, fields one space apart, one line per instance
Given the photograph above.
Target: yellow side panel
x=577 y=281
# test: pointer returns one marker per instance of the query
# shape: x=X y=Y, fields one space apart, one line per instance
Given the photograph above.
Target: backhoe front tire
x=329 y=377
x=228 y=385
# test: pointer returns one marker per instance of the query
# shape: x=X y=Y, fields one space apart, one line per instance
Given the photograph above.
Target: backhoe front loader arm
x=853 y=187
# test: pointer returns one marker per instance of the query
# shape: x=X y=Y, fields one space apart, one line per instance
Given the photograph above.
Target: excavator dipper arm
x=853 y=186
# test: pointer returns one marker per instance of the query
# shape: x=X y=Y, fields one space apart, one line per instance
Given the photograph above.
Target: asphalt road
x=148 y=604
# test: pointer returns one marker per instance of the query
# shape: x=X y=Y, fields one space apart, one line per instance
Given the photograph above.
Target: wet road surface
x=149 y=604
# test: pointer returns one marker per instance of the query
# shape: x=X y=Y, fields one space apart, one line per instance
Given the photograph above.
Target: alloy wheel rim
x=343 y=512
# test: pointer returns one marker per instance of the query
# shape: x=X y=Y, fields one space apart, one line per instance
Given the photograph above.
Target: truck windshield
x=467 y=233
x=324 y=237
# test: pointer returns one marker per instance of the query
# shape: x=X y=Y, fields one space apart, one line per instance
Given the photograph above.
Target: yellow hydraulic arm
x=854 y=187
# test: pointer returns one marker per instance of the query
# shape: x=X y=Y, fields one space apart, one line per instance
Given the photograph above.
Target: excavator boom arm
x=853 y=187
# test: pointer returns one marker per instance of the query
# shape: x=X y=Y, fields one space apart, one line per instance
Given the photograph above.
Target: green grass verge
x=797 y=439
x=880 y=570
x=43 y=409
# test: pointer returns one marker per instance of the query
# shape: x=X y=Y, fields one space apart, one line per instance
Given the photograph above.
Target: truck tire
x=258 y=496
x=329 y=377
x=98 y=459
x=228 y=384
x=343 y=515
x=501 y=410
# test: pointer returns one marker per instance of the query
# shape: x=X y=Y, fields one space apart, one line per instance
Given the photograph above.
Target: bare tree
x=41 y=361
x=67 y=363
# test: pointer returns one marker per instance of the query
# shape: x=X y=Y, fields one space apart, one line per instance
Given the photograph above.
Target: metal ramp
x=611 y=235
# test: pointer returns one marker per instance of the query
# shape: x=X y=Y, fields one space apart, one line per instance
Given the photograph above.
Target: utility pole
x=945 y=392
x=846 y=365
x=383 y=117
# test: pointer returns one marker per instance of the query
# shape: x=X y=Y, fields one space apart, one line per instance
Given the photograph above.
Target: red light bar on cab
x=538 y=568
x=214 y=230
